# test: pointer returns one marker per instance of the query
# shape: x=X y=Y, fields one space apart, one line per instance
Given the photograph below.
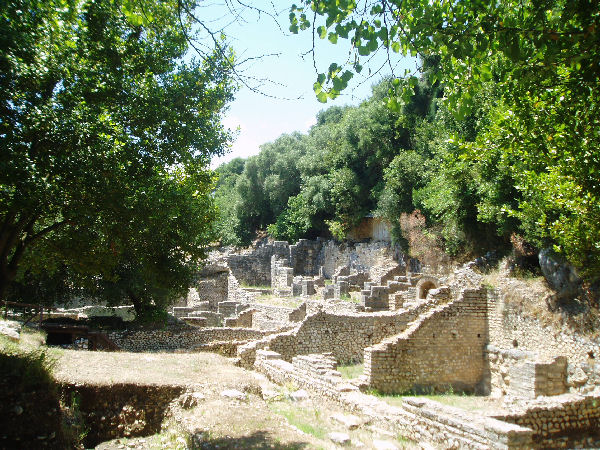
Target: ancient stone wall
x=253 y=267
x=316 y=372
x=269 y=317
x=532 y=378
x=509 y=329
x=419 y=419
x=239 y=294
x=373 y=257
x=339 y=307
x=569 y=415
x=165 y=340
x=443 y=348
x=210 y=286
x=282 y=276
x=304 y=257
x=344 y=336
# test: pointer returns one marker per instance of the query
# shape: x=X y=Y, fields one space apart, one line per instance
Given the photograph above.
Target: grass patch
x=30 y=364
x=28 y=386
x=306 y=420
x=351 y=371
x=450 y=398
x=349 y=298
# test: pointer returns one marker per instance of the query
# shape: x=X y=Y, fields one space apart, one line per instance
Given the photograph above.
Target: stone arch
x=425 y=284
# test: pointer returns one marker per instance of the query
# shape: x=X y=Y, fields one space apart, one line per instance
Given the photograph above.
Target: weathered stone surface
x=561 y=276
x=234 y=394
x=339 y=438
x=11 y=334
x=299 y=395
x=384 y=445
x=190 y=399
x=349 y=421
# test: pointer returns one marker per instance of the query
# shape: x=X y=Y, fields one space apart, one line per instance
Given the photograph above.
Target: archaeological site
x=443 y=360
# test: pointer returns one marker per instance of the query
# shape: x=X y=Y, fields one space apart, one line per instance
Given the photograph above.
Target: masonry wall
x=168 y=340
x=419 y=419
x=344 y=336
x=304 y=257
x=269 y=317
x=211 y=288
x=508 y=329
x=571 y=416
x=253 y=267
x=370 y=257
x=444 y=348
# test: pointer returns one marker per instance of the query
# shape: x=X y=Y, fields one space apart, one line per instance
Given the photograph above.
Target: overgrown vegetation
x=496 y=138
x=29 y=395
x=351 y=371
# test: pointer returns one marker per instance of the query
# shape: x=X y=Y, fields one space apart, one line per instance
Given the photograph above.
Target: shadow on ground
x=259 y=439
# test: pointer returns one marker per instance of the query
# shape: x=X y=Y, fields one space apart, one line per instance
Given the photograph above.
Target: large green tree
x=544 y=57
x=105 y=136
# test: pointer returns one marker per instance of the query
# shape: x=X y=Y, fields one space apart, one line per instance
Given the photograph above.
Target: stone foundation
x=419 y=419
x=165 y=340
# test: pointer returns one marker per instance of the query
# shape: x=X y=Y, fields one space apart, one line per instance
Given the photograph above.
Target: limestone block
x=233 y=394
x=339 y=438
x=329 y=291
x=350 y=421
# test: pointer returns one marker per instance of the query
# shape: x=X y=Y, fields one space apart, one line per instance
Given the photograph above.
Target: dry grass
x=189 y=369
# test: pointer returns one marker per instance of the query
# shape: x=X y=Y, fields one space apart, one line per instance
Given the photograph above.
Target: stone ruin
x=414 y=332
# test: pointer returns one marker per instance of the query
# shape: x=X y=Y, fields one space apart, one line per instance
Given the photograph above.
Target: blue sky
x=287 y=102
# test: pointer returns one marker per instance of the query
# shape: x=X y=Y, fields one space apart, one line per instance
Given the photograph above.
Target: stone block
x=308 y=288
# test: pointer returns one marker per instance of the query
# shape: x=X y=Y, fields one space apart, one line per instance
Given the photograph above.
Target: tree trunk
x=16 y=236
x=138 y=304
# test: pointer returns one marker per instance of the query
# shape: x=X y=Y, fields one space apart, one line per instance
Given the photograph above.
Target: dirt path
x=174 y=369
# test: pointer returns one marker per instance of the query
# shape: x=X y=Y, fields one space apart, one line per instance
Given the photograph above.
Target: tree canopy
x=106 y=134
x=543 y=57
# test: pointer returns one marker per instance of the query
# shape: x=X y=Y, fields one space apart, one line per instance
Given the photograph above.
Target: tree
x=542 y=55
x=106 y=134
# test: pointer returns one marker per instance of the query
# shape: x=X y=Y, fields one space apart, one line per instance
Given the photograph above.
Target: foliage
x=107 y=135
x=333 y=176
x=542 y=58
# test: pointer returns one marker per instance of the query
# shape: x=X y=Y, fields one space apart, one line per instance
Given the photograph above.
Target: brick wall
x=419 y=419
x=443 y=348
x=344 y=335
x=568 y=415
